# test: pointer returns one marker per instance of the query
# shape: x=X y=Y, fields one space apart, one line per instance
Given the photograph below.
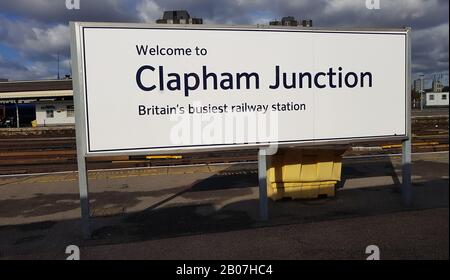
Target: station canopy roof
x=36 y=89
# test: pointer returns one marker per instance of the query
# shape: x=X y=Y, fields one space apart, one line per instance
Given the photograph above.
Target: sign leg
x=84 y=196
x=262 y=177
x=406 y=172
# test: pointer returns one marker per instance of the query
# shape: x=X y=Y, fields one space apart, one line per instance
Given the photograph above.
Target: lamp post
x=421 y=92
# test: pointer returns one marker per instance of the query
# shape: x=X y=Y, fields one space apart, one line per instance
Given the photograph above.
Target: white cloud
x=30 y=37
x=398 y=9
x=430 y=49
x=37 y=46
x=149 y=11
x=37 y=70
x=53 y=39
x=37 y=30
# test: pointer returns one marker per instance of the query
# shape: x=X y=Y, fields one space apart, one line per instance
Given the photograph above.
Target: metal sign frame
x=78 y=72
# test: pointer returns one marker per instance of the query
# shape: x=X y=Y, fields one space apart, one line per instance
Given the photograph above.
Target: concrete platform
x=185 y=212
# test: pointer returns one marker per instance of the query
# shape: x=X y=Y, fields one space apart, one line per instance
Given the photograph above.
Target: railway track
x=32 y=155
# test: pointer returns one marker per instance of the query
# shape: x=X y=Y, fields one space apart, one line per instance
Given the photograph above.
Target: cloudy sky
x=34 y=32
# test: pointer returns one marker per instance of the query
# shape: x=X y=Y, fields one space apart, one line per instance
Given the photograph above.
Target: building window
x=431 y=96
x=444 y=97
x=70 y=111
x=50 y=113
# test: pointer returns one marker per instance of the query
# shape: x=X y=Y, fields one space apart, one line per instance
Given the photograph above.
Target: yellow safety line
x=163 y=157
x=127 y=161
x=414 y=144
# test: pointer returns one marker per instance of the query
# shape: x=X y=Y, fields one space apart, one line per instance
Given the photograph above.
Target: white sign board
x=141 y=88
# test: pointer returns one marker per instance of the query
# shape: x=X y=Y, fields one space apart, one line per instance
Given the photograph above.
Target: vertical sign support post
x=406 y=144
x=78 y=96
x=406 y=172
x=262 y=180
x=84 y=196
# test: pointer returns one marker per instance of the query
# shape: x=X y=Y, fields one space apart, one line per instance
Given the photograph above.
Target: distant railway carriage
x=2 y=112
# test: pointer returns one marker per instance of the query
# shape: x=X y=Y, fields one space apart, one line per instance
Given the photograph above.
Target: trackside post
x=262 y=179
x=406 y=144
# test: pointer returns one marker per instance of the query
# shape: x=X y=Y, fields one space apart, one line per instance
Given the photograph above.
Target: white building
x=55 y=113
x=47 y=102
x=435 y=99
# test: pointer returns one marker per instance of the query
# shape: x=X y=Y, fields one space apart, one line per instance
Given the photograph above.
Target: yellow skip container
x=304 y=173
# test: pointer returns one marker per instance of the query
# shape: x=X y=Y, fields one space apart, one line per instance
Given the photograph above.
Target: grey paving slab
x=140 y=211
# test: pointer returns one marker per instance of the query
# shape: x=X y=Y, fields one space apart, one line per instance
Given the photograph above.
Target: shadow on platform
x=199 y=217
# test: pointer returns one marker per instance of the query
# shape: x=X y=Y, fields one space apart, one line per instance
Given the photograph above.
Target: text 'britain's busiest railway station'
x=185 y=138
